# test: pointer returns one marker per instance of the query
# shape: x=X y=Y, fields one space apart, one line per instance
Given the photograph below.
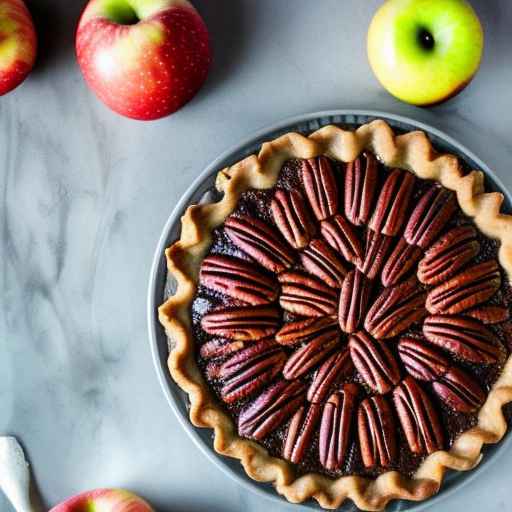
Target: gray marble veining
x=85 y=194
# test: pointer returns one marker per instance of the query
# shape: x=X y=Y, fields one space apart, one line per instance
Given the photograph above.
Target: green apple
x=425 y=51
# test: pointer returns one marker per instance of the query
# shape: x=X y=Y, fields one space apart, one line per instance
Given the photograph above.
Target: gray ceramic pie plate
x=203 y=190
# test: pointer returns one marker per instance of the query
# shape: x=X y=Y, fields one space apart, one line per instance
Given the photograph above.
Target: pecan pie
x=341 y=316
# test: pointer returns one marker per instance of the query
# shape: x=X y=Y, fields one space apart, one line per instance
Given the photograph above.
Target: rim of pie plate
x=271 y=158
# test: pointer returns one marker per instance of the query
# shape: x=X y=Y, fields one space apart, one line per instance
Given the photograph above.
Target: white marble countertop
x=86 y=194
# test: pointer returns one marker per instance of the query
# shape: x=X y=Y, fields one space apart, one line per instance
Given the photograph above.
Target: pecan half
x=306 y=295
x=429 y=217
x=466 y=338
x=250 y=369
x=489 y=314
x=292 y=217
x=374 y=362
x=340 y=235
x=238 y=279
x=242 y=323
x=320 y=186
x=300 y=432
x=467 y=289
x=459 y=391
x=335 y=427
x=271 y=409
x=310 y=355
x=377 y=432
x=400 y=262
x=418 y=418
x=321 y=260
x=420 y=360
x=448 y=255
x=361 y=177
x=219 y=347
x=300 y=331
x=260 y=241
x=354 y=296
x=376 y=250
x=395 y=310
x=390 y=211
x=332 y=370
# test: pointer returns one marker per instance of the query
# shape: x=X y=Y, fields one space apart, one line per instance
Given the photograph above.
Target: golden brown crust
x=412 y=151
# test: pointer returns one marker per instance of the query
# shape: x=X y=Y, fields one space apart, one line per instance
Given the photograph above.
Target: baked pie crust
x=411 y=151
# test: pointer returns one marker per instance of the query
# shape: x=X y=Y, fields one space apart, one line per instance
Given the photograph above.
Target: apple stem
x=121 y=12
x=426 y=39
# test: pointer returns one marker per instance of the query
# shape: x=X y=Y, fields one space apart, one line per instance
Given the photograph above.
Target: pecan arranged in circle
x=448 y=255
x=390 y=213
x=342 y=238
x=395 y=310
x=310 y=355
x=420 y=360
x=354 y=296
x=459 y=391
x=335 y=427
x=431 y=214
x=304 y=330
x=321 y=260
x=242 y=323
x=292 y=218
x=376 y=251
x=260 y=241
x=331 y=371
x=250 y=369
x=466 y=338
x=219 y=347
x=360 y=186
x=377 y=432
x=320 y=186
x=306 y=295
x=374 y=362
x=418 y=418
x=238 y=279
x=467 y=289
x=300 y=432
x=400 y=262
x=271 y=409
x=489 y=314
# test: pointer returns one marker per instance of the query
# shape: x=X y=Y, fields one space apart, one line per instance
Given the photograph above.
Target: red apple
x=143 y=58
x=18 y=44
x=104 y=500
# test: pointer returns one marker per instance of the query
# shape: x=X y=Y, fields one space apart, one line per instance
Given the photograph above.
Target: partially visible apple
x=18 y=44
x=104 y=500
x=143 y=58
x=425 y=51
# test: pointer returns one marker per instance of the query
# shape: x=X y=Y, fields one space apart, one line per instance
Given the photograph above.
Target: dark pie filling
x=256 y=204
